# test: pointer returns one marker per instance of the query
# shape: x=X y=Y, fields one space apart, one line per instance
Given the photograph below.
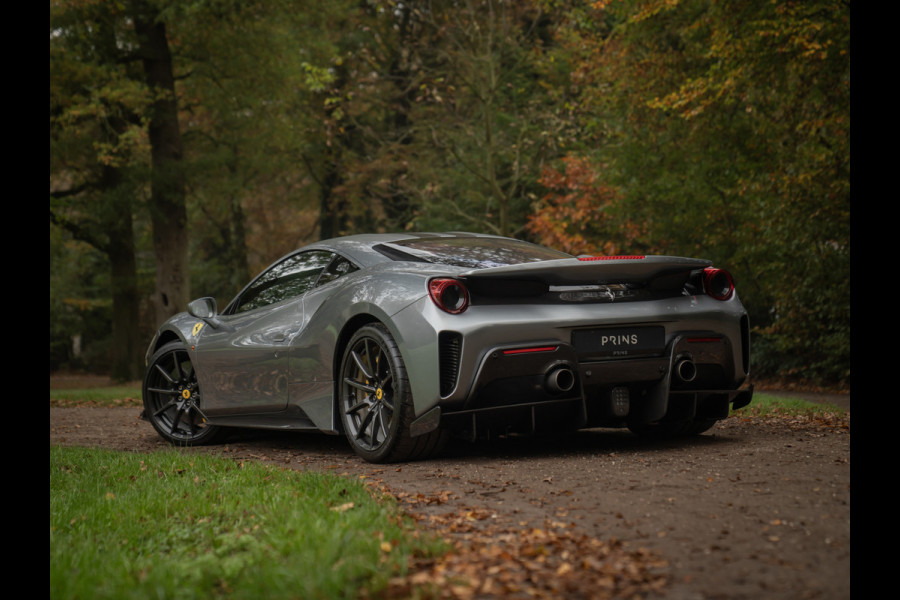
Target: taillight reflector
x=529 y=350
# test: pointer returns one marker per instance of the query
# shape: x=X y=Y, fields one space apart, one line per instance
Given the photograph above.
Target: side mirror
x=203 y=308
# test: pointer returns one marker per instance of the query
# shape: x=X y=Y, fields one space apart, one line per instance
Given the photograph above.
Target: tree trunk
x=330 y=214
x=127 y=362
x=398 y=206
x=168 y=211
x=240 y=270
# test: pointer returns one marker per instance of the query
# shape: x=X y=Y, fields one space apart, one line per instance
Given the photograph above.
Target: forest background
x=193 y=142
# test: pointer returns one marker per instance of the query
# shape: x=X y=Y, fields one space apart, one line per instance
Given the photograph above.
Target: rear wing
x=594 y=270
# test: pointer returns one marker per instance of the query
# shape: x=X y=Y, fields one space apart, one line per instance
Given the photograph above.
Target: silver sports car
x=399 y=340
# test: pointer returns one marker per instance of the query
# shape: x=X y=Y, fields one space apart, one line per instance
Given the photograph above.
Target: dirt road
x=752 y=509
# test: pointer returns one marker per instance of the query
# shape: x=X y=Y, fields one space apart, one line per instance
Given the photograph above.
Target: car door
x=312 y=349
x=244 y=364
x=312 y=352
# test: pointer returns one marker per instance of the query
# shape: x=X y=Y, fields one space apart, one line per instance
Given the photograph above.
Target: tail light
x=718 y=283
x=450 y=295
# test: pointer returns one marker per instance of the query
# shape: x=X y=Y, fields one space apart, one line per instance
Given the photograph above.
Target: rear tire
x=376 y=402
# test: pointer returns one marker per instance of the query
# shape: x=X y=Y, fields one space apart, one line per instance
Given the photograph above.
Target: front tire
x=172 y=398
x=375 y=400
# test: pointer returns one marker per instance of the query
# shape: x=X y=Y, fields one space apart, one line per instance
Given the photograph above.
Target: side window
x=339 y=267
x=291 y=277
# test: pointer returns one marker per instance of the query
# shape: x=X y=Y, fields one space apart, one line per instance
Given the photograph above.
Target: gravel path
x=752 y=509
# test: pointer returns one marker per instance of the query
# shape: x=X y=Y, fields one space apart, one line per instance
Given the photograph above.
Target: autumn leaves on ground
x=497 y=556
x=553 y=561
x=759 y=506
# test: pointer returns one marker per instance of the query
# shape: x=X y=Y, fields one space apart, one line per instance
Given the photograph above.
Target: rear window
x=469 y=252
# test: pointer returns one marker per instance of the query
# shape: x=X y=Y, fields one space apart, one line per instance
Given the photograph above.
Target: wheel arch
x=163 y=337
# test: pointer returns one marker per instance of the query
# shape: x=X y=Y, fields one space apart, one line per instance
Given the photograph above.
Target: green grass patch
x=98 y=396
x=769 y=405
x=182 y=525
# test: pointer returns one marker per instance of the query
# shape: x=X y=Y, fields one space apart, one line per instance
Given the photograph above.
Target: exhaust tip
x=686 y=370
x=559 y=380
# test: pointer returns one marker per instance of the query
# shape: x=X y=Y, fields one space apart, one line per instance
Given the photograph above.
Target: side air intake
x=449 y=349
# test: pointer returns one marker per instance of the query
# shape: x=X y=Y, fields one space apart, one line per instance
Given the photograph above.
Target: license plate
x=619 y=341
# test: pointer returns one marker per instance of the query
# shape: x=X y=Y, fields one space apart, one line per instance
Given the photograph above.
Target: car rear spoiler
x=593 y=269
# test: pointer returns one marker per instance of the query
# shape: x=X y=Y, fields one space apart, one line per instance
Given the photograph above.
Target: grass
x=176 y=525
x=765 y=405
x=97 y=396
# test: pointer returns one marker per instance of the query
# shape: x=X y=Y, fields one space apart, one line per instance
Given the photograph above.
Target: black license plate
x=619 y=341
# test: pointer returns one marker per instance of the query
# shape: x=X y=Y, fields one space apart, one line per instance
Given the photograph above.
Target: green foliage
x=765 y=404
x=98 y=164
x=489 y=106
x=248 y=120
x=77 y=286
x=726 y=127
x=186 y=525
x=692 y=127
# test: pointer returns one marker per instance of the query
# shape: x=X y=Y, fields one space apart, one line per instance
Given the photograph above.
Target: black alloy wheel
x=374 y=393
x=172 y=398
x=376 y=403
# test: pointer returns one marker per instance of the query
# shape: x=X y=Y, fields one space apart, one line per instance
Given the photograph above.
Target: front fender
x=182 y=327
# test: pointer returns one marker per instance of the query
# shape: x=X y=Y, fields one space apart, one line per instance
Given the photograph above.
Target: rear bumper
x=569 y=413
x=458 y=362
x=547 y=383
